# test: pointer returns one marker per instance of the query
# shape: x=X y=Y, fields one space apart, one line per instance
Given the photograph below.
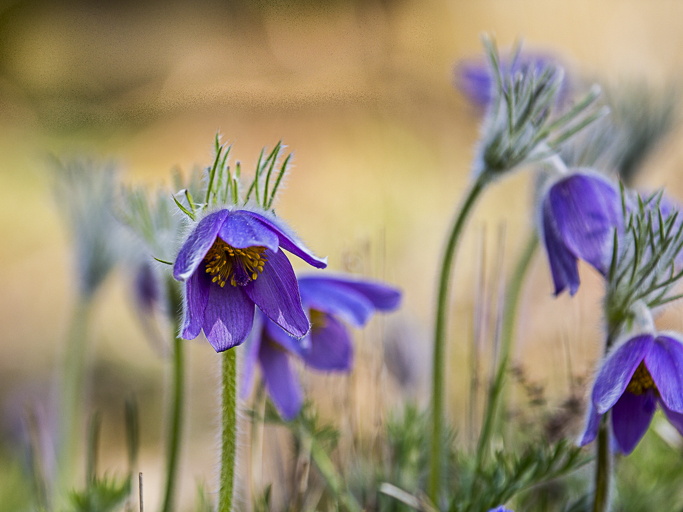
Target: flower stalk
x=228 y=430
x=72 y=388
x=603 y=450
x=512 y=296
x=603 y=467
x=439 y=361
x=175 y=415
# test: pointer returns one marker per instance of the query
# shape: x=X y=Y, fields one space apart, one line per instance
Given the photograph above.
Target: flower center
x=318 y=320
x=239 y=266
x=641 y=381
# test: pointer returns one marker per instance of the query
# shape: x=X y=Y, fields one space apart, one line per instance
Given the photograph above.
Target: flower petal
x=253 y=346
x=331 y=348
x=631 y=417
x=337 y=299
x=282 y=383
x=563 y=264
x=194 y=305
x=198 y=244
x=279 y=336
x=592 y=425
x=675 y=418
x=241 y=230
x=276 y=293
x=474 y=80
x=586 y=209
x=664 y=361
x=617 y=371
x=288 y=240
x=348 y=297
x=228 y=317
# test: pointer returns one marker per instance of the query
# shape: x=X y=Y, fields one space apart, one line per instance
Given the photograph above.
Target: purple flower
x=328 y=347
x=500 y=509
x=474 y=78
x=146 y=287
x=578 y=216
x=231 y=261
x=636 y=376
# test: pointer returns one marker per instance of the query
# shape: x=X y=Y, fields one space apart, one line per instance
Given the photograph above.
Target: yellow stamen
x=318 y=319
x=641 y=381
x=237 y=266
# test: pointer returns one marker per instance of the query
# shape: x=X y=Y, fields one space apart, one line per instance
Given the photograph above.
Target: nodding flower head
x=329 y=302
x=232 y=260
x=642 y=372
x=579 y=214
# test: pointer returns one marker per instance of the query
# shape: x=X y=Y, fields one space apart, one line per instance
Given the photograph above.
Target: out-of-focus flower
x=637 y=375
x=578 y=216
x=85 y=196
x=232 y=260
x=328 y=347
x=475 y=79
x=500 y=509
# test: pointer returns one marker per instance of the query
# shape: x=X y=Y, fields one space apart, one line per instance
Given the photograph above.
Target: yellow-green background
x=362 y=93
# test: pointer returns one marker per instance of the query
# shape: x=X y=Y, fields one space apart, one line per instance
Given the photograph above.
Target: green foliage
x=643 y=268
x=651 y=478
x=510 y=474
x=202 y=501
x=522 y=125
x=101 y=495
x=16 y=492
x=223 y=186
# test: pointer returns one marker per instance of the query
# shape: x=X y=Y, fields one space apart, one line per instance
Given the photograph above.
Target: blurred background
x=362 y=93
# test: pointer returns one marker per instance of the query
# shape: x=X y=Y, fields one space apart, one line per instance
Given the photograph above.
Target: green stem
x=511 y=304
x=229 y=429
x=329 y=473
x=603 y=468
x=73 y=379
x=175 y=418
x=439 y=362
x=603 y=464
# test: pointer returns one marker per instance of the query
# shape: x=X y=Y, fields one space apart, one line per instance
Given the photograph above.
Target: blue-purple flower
x=579 y=214
x=232 y=260
x=644 y=371
x=329 y=302
x=500 y=509
x=474 y=78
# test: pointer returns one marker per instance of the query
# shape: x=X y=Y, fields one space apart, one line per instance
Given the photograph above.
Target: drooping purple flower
x=231 y=261
x=644 y=371
x=329 y=302
x=146 y=287
x=578 y=216
x=474 y=77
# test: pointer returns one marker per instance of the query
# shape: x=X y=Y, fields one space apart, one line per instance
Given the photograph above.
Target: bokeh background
x=362 y=93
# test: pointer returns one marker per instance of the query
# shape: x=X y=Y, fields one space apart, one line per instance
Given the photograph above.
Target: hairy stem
x=73 y=380
x=175 y=419
x=228 y=429
x=603 y=453
x=511 y=304
x=439 y=361
x=603 y=467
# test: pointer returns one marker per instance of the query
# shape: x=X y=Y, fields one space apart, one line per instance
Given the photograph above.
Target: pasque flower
x=644 y=371
x=329 y=302
x=475 y=79
x=578 y=216
x=232 y=260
